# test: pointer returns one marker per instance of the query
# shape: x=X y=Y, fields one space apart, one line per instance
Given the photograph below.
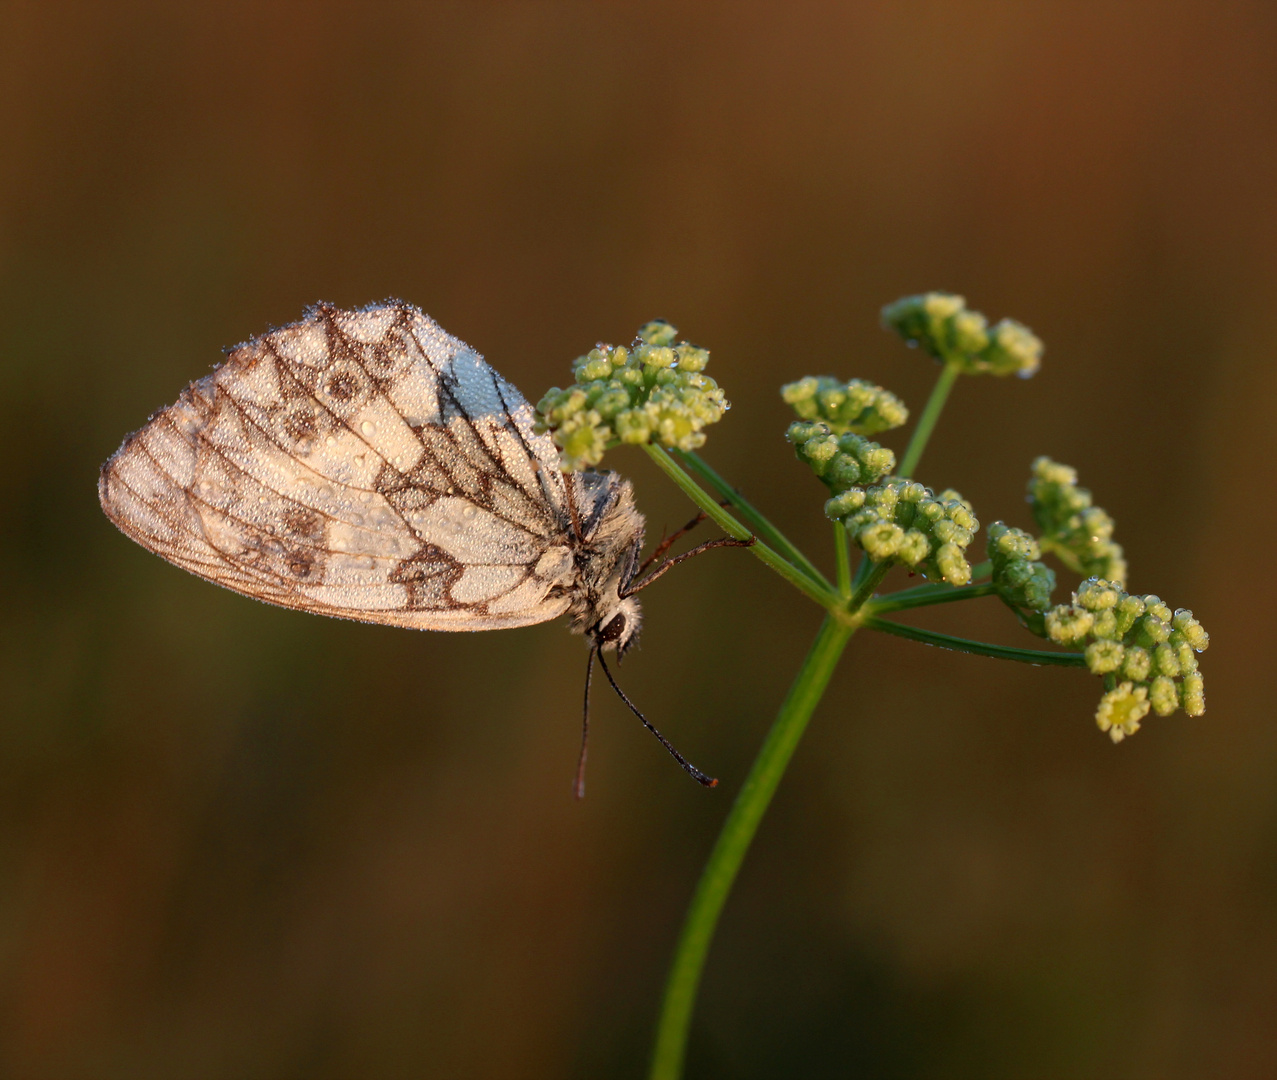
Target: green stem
x=939 y=393
x=863 y=569
x=864 y=588
x=977 y=648
x=733 y=842
x=763 y=528
x=926 y=595
x=822 y=593
x=842 y=557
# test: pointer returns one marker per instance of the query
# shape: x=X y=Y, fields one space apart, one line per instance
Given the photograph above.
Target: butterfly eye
x=614 y=629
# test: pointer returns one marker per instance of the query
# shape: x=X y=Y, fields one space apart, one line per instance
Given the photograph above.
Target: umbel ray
x=368 y=465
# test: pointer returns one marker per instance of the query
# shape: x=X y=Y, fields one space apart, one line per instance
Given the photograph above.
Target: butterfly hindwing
x=361 y=464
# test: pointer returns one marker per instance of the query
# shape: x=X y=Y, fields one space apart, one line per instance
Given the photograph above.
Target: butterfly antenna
x=578 y=789
x=688 y=767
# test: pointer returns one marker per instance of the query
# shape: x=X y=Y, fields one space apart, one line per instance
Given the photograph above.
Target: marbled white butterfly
x=370 y=466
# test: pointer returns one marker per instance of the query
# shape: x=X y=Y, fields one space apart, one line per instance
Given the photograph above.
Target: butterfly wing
x=361 y=464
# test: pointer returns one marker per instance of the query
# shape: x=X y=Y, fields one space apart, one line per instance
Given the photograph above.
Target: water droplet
x=326 y=492
x=367 y=427
x=365 y=496
x=468 y=512
x=356 y=519
x=331 y=440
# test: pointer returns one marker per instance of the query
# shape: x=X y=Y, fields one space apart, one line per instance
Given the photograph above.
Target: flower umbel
x=1079 y=534
x=1139 y=640
x=1023 y=582
x=944 y=327
x=841 y=461
x=653 y=391
x=904 y=522
x=854 y=406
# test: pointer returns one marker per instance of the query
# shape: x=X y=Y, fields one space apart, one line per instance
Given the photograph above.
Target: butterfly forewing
x=362 y=464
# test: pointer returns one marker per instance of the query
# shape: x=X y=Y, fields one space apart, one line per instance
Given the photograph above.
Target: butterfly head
x=619 y=628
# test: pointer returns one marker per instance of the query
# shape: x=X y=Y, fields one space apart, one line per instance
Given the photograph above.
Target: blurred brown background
x=237 y=841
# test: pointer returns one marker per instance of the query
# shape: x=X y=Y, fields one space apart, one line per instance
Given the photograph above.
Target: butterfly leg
x=667 y=542
x=669 y=564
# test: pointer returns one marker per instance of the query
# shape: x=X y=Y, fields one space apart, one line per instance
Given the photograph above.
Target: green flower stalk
x=1078 y=533
x=654 y=391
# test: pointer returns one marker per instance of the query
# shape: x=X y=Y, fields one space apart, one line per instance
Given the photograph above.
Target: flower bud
x=1067 y=624
x=1104 y=656
x=657 y=332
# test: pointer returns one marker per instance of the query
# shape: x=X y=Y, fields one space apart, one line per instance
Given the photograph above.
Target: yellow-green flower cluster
x=841 y=461
x=854 y=406
x=904 y=522
x=1023 y=583
x=655 y=391
x=1146 y=653
x=943 y=325
x=1078 y=533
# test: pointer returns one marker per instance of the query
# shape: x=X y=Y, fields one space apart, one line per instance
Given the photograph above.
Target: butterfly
x=368 y=465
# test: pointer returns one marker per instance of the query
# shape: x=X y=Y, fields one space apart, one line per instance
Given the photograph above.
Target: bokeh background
x=237 y=841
